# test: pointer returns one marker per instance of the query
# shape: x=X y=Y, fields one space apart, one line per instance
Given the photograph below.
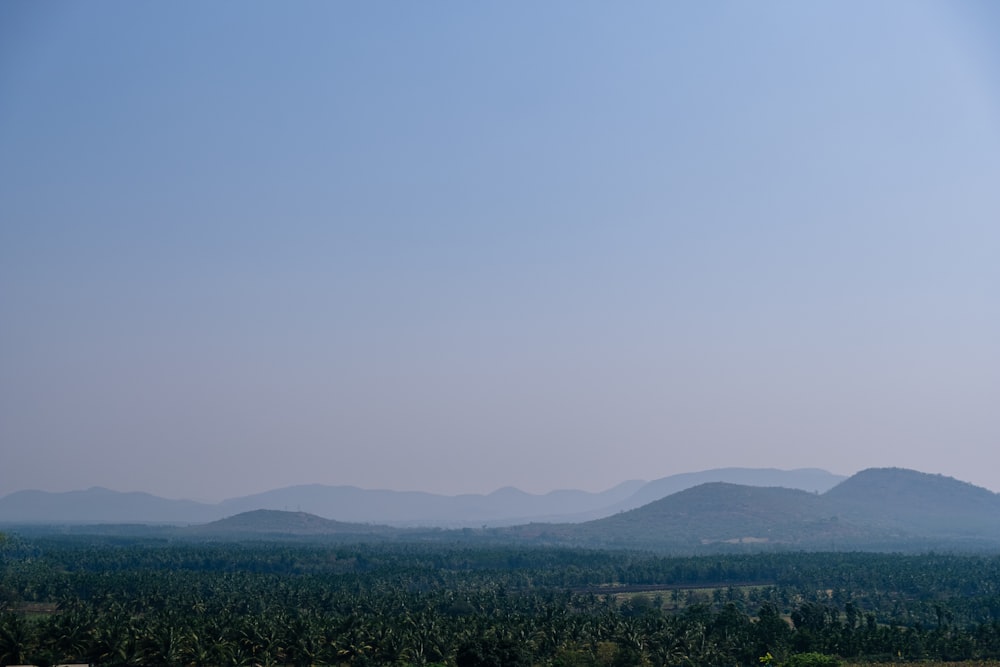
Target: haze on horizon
x=458 y=246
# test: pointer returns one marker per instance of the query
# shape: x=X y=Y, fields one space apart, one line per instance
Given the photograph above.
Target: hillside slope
x=718 y=513
x=806 y=479
x=880 y=509
x=100 y=505
x=273 y=523
x=505 y=506
x=914 y=502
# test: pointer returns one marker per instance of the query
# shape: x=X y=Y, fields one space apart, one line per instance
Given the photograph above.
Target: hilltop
x=278 y=523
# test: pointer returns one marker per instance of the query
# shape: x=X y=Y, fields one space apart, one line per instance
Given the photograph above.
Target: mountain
x=506 y=506
x=714 y=515
x=345 y=503
x=916 y=502
x=806 y=479
x=883 y=508
x=276 y=523
x=876 y=509
x=100 y=505
x=875 y=506
x=509 y=506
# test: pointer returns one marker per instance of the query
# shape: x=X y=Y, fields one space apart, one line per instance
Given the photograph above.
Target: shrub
x=813 y=660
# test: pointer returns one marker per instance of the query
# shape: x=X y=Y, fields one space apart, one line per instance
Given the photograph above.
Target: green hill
x=273 y=523
x=725 y=514
x=877 y=509
x=917 y=503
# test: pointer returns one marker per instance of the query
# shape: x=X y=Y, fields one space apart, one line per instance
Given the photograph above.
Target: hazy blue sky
x=453 y=246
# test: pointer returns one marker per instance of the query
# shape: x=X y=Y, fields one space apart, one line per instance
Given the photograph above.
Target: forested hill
x=906 y=500
x=886 y=508
x=506 y=506
x=276 y=523
x=878 y=509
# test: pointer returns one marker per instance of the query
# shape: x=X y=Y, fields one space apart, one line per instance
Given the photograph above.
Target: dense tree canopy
x=125 y=602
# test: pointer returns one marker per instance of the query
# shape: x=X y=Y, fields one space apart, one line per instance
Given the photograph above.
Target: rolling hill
x=914 y=502
x=100 y=505
x=887 y=508
x=506 y=506
x=876 y=509
x=278 y=523
x=416 y=508
x=807 y=479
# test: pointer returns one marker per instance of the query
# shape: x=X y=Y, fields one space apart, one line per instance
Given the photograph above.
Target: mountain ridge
x=874 y=510
x=504 y=506
x=876 y=506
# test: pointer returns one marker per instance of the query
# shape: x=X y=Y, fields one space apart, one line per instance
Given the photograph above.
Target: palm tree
x=15 y=639
x=167 y=644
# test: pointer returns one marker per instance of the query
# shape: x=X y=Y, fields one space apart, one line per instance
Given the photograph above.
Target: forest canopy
x=120 y=601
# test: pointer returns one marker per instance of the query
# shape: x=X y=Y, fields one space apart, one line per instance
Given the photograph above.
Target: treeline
x=130 y=602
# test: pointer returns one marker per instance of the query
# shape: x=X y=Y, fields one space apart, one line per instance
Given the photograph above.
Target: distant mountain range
x=504 y=507
x=876 y=509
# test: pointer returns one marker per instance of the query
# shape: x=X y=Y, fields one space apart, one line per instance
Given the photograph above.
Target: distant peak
x=508 y=491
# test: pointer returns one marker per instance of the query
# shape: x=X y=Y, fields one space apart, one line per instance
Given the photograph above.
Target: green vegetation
x=128 y=601
x=813 y=660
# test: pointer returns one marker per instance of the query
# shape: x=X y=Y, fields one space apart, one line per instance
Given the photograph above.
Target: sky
x=452 y=246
